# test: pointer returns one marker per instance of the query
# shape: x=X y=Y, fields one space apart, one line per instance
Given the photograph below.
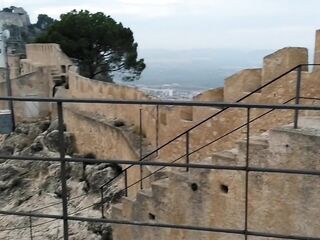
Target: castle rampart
x=159 y=126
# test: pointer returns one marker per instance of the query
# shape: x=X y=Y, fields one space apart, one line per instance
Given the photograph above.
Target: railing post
x=63 y=172
x=157 y=130
x=102 y=203
x=187 y=150
x=297 y=97
x=140 y=146
x=30 y=225
x=247 y=175
x=9 y=88
x=126 y=183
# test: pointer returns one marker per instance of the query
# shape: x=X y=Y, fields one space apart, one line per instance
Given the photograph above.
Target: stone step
x=308 y=122
x=255 y=145
x=127 y=207
x=144 y=194
x=142 y=205
x=159 y=188
x=258 y=151
x=295 y=148
x=179 y=175
x=225 y=157
x=156 y=175
x=263 y=138
x=116 y=211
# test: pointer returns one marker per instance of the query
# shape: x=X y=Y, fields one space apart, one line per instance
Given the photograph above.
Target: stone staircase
x=278 y=203
x=58 y=79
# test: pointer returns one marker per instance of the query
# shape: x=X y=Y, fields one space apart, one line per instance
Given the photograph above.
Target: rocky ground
x=34 y=185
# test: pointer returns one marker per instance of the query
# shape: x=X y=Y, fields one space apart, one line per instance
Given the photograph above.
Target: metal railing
x=186 y=134
x=66 y=216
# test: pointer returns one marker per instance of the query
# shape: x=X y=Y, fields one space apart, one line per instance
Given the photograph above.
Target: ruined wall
x=106 y=141
x=174 y=120
x=279 y=203
x=31 y=85
x=171 y=120
x=95 y=135
x=160 y=125
x=215 y=95
x=283 y=60
x=278 y=92
x=317 y=49
x=47 y=55
x=34 y=77
x=27 y=66
x=241 y=83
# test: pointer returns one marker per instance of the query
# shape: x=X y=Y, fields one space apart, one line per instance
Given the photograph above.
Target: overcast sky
x=193 y=24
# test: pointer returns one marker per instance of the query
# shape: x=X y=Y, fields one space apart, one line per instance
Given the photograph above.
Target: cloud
x=151 y=9
x=198 y=23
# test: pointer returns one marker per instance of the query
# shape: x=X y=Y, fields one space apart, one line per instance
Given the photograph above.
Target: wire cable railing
x=186 y=133
x=65 y=217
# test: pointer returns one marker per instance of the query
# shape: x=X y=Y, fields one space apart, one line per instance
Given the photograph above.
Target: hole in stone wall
x=152 y=216
x=194 y=187
x=224 y=188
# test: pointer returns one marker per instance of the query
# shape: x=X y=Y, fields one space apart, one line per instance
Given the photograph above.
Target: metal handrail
x=247 y=168
x=125 y=189
x=298 y=67
x=226 y=106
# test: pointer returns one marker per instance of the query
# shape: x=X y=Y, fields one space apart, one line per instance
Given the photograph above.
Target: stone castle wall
x=91 y=125
x=160 y=127
x=47 y=55
x=174 y=120
x=278 y=203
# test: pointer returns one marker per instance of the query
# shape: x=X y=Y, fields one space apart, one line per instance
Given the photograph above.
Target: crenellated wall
x=174 y=120
x=283 y=60
x=160 y=125
x=94 y=132
x=241 y=83
x=216 y=95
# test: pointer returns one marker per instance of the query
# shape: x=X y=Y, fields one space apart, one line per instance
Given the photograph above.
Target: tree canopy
x=44 y=22
x=100 y=44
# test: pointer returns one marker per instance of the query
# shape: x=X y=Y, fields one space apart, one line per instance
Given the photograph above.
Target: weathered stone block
x=283 y=60
x=241 y=83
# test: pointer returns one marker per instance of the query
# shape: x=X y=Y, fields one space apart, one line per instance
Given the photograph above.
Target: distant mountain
x=204 y=68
